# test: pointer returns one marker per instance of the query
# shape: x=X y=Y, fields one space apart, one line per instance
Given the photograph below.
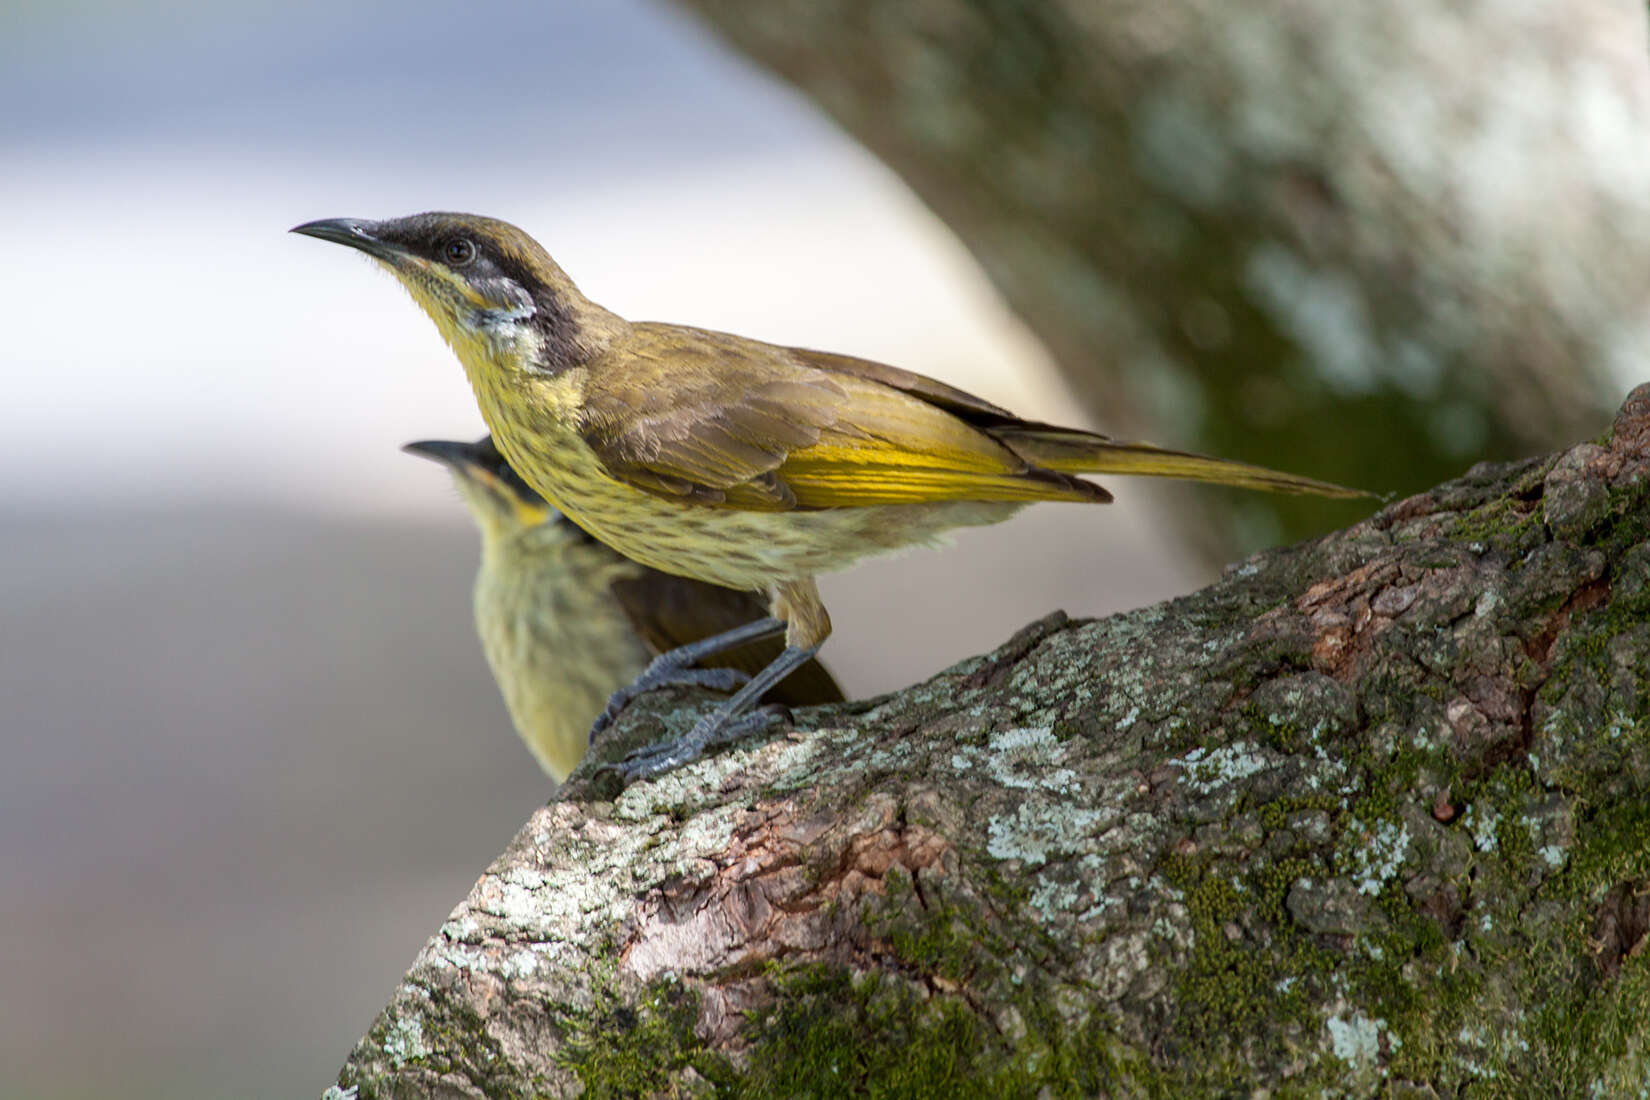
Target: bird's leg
x=673 y=668
x=797 y=605
x=731 y=721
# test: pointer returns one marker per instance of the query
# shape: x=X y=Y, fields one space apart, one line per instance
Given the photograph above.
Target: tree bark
x=1371 y=242
x=1369 y=816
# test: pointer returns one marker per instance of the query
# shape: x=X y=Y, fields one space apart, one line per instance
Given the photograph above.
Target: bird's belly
x=749 y=549
x=558 y=646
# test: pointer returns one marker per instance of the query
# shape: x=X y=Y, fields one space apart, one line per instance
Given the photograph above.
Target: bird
x=731 y=460
x=564 y=621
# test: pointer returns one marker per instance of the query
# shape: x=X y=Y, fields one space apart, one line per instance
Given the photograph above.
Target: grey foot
x=709 y=732
x=662 y=674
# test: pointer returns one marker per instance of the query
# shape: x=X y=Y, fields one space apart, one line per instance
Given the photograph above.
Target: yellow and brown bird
x=565 y=622
x=726 y=459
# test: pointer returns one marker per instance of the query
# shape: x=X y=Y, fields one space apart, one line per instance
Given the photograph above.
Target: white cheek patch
x=519 y=309
x=499 y=318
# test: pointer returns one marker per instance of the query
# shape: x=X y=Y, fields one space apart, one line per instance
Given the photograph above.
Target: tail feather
x=1069 y=451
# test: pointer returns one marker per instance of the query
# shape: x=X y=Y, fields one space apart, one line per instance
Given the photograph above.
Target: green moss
x=1275 y=815
x=1613 y=846
x=1250 y=720
x=1584 y=1029
x=936 y=937
x=619 y=1050
x=1505 y=521
x=832 y=1033
x=1392 y=782
x=943 y=946
x=911 y=1028
x=1592 y=1042
x=828 y=1035
x=1627 y=523
x=1404 y=972
x=1513 y=843
x=1236 y=994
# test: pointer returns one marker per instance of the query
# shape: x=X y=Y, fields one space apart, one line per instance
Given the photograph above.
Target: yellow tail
x=1070 y=451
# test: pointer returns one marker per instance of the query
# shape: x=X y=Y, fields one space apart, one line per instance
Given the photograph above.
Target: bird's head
x=502 y=503
x=492 y=290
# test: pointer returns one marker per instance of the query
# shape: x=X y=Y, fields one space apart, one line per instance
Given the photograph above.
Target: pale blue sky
x=615 y=84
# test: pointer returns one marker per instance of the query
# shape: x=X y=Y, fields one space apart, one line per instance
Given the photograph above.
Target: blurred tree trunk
x=1370 y=816
x=1370 y=242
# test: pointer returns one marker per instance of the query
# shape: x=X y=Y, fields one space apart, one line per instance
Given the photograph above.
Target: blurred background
x=252 y=755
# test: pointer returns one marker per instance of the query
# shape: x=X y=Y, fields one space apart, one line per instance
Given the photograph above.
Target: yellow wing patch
x=888 y=447
x=734 y=423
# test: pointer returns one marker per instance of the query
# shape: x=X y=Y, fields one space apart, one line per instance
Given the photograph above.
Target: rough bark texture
x=1371 y=241
x=1370 y=816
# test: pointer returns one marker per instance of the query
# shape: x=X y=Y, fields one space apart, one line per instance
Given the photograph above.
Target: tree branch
x=1371 y=815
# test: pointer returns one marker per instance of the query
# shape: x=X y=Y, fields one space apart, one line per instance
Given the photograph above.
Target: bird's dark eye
x=458 y=252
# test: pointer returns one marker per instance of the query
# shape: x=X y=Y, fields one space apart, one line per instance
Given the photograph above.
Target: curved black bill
x=354 y=232
x=482 y=455
x=451 y=452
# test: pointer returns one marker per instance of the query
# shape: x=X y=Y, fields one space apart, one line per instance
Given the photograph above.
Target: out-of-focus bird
x=727 y=459
x=564 y=621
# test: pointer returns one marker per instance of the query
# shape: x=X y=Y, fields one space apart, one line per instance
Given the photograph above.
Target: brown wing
x=975 y=410
x=669 y=611
x=694 y=414
x=733 y=422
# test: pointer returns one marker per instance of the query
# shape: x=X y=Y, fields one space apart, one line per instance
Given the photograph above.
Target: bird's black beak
x=481 y=464
x=354 y=232
x=448 y=452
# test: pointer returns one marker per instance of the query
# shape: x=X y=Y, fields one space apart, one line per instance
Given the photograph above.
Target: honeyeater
x=565 y=621
x=727 y=459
